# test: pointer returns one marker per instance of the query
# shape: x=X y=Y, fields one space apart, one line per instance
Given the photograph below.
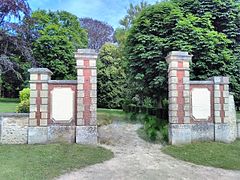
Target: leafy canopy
x=111 y=77
x=188 y=26
x=59 y=35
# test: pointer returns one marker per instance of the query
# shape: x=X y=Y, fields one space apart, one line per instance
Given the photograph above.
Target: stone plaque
x=62 y=104
x=201 y=103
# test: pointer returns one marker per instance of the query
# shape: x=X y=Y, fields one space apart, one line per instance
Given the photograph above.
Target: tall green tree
x=111 y=77
x=126 y=22
x=58 y=35
x=167 y=26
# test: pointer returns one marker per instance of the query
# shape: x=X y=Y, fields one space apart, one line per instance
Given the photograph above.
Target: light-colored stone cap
x=14 y=114
x=83 y=67
x=201 y=82
x=86 y=52
x=40 y=71
x=178 y=55
x=62 y=81
x=220 y=79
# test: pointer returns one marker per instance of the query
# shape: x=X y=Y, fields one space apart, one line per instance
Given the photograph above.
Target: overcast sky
x=110 y=11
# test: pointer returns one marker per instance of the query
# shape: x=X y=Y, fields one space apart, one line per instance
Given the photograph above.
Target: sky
x=109 y=11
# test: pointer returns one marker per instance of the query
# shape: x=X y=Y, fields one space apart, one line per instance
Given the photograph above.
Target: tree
x=98 y=32
x=165 y=27
x=59 y=35
x=225 y=18
x=126 y=22
x=132 y=12
x=110 y=78
x=121 y=35
x=12 y=45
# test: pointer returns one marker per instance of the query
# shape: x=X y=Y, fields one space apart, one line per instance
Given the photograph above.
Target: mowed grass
x=47 y=161
x=214 y=154
x=238 y=115
x=107 y=116
x=8 y=105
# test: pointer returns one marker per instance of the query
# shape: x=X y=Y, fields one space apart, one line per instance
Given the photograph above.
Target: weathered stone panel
x=61 y=134
x=14 y=128
x=86 y=134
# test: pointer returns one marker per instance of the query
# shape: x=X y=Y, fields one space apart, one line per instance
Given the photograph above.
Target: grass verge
x=107 y=116
x=8 y=107
x=214 y=154
x=47 y=161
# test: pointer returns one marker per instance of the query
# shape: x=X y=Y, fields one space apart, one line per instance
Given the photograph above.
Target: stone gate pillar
x=38 y=116
x=225 y=122
x=179 y=97
x=86 y=130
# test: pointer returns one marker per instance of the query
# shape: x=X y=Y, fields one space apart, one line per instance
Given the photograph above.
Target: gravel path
x=140 y=160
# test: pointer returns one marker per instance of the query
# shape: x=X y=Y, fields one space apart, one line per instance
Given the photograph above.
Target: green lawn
x=238 y=115
x=47 y=161
x=208 y=153
x=6 y=107
x=107 y=116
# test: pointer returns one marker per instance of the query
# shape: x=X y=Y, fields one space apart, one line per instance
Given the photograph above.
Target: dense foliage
x=12 y=43
x=205 y=30
x=110 y=78
x=60 y=35
x=24 y=96
x=39 y=39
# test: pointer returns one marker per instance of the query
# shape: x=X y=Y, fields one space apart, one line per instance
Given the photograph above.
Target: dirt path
x=137 y=159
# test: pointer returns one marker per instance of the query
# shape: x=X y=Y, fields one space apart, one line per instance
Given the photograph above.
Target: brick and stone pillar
x=221 y=98
x=179 y=97
x=38 y=116
x=225 y=128
x=86 y=130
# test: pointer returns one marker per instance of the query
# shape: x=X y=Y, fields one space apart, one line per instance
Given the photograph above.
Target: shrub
x=156 y=130
x=151 y=127
x=164 y=132
x=24 y=94
x=24 y=105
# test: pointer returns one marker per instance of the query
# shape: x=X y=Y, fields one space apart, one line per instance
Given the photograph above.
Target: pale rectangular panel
x=62 y=104
x=201 y=103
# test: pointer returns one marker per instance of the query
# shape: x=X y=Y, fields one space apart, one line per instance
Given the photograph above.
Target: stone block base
x=187 y=133
x=14 y=130
x=37 y=135
x=65 y=134
x=86 y=134
x=202 y=132
x=225 y=132
x=179 y=134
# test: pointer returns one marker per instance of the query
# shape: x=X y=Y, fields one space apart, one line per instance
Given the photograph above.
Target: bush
x=135 y=117
x=155 y=130
x=151 y=127
x=24 y=105
x=24 y=94
x=164 y=132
